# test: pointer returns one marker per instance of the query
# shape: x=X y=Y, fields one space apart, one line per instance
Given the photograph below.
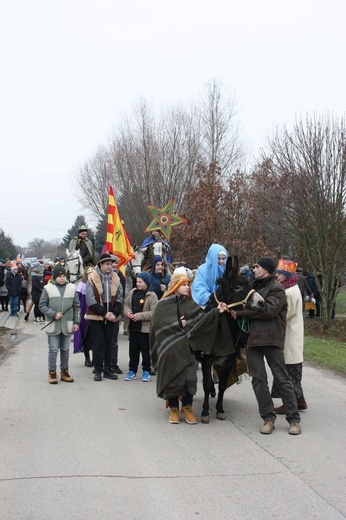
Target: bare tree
x=220 y=134
x=153 y=157
x=309 y=165
x=92 y=182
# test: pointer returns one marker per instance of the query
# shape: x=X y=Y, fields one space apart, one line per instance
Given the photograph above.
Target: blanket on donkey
x=172 y=346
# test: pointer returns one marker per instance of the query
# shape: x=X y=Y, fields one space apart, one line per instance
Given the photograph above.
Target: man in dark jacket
x=303 y=285
x=14 y=286
x=104 y=298
x=266 y=340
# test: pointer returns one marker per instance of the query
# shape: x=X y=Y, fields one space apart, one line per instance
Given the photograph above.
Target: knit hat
x=106 y=257
x=37 y=267
x=146 y=277
x=177 y=280
x=156 y=259
x=14 y=268
x=267 y=263
x=287 y=267
x=58 y=270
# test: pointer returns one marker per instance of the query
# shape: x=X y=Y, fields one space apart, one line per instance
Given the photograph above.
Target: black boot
x=109 y=374
x=26 y=317
x=88 y=362
x=97 y=376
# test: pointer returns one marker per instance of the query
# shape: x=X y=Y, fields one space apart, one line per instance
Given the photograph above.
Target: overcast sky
x=70 y=67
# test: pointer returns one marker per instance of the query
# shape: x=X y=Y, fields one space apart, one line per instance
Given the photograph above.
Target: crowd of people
x=161 y=309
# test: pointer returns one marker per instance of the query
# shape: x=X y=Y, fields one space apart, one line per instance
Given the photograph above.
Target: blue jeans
x=56 y=343
x=14 y=304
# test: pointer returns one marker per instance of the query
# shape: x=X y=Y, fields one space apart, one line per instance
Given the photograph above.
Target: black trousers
x=102 y=333
x=115 y=345
x=186 y=399
x=139 y=344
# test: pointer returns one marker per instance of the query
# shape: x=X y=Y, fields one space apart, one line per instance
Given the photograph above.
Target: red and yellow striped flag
x=117 y=241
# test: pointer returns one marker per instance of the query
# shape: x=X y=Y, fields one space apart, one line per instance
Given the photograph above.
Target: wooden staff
x=55 y=319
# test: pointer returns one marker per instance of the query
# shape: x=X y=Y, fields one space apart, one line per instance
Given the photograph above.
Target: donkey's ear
x=228 y=269
x=236 y=265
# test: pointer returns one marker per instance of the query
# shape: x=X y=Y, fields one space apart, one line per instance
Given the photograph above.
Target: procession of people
x=161 y=308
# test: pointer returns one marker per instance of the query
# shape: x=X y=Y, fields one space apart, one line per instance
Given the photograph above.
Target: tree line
x=289 y=202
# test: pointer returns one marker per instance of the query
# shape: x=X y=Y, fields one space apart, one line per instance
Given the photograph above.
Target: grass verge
x=326 y=349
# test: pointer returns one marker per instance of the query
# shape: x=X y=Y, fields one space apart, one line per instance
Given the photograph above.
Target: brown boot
x=65 y=376
x=174 y=415
x=302 y=403
x=187 y=411
x=52 y=377
x=281 y=410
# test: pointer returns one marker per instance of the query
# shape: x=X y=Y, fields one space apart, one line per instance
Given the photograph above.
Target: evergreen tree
x=7 y=248
x=73 y=231
x=101 y=232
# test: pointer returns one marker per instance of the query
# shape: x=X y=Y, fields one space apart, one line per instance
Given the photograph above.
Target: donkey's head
x=235 y=290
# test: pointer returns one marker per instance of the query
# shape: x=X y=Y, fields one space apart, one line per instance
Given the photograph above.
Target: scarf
x=291 y=281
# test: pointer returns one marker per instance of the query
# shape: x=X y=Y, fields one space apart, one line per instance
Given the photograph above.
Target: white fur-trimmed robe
x=294 y=339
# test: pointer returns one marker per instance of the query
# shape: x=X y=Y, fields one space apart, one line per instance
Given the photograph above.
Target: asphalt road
x=105 y=450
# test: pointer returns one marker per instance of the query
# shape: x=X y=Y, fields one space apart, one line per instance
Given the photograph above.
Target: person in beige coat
x=139 y=306
x=294 y=339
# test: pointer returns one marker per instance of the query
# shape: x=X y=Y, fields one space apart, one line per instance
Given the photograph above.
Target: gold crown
x=287 y=265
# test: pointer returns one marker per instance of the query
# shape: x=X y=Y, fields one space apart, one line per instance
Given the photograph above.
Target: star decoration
x=164 y=219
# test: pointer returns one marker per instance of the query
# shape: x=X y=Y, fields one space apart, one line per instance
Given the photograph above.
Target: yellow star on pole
x=164 y=219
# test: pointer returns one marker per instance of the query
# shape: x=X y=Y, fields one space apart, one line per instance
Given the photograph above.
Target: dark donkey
x=234 y=290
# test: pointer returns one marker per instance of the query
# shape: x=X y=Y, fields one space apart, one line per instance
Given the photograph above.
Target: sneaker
x=130 y=375
x=294 y=429
x=187 y=411
x=152 y=372
x=117 y=370
x=145 y=376
x=36 y=322
x=52 y=377
x=65 y=376
x=267 y=427
x=174 y=415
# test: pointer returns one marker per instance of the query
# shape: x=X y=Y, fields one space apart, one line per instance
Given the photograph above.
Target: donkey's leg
x=208 y=386
x=227 y=366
